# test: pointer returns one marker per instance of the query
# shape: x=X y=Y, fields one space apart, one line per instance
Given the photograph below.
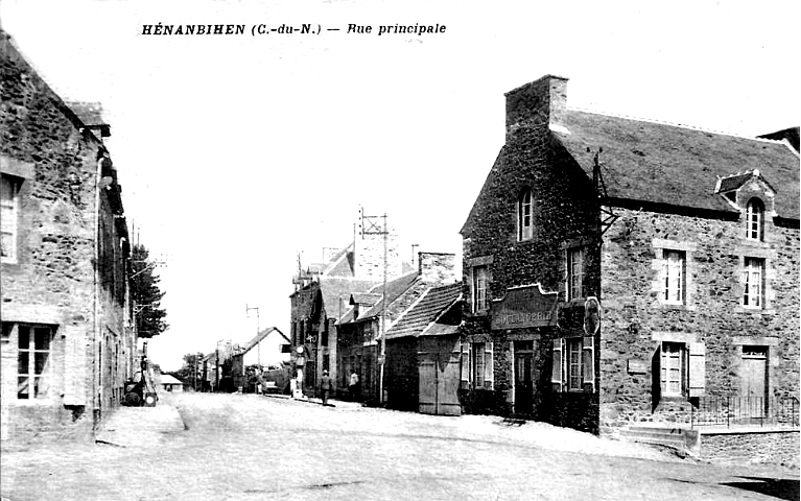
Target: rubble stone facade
x=66 y=343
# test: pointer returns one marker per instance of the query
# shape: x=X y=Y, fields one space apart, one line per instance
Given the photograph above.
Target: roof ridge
x=673 y=124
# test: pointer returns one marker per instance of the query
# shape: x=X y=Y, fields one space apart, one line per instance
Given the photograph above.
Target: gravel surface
x=232 y=447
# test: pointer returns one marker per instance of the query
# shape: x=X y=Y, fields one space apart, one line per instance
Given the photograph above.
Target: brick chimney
x=436 y=267
x=538 y=103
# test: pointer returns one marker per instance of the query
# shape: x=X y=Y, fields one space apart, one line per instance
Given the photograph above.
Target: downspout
x=96 y=294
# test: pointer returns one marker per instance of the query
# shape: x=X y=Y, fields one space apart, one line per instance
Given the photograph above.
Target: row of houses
x=246 y=366
x=615 y=273
x=68 y=342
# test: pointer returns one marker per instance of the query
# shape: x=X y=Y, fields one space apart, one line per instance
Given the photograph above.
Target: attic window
x=754 y=215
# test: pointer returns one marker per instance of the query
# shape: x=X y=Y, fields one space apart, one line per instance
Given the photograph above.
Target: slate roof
x=420 y=318
x=332 y=289
x=257 y=339
x=679 y=166
x=668 y=164
x=395 y=289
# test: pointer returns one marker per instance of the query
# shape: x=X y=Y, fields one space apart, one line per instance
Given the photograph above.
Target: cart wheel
x=133 y=399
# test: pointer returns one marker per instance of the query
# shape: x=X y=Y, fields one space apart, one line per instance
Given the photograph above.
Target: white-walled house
x=270 y=349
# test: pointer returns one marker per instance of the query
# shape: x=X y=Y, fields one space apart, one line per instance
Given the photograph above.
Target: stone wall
x=565 y=215
x=775 y=448
x=635 y=320
x=52 y=282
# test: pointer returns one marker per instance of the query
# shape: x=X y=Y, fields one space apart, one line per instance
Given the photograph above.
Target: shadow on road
x=779 y=488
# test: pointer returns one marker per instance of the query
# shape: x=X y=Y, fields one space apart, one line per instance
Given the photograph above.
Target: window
x=575 y=273
x=9 y=202
x=477 y=365
x=753 y=276
x=679 y=369
x=480 y=289
x=754 y=215
x=573 y=363
x=525 y=218
x=674 y=277
x=672 y=369
x=33 y=361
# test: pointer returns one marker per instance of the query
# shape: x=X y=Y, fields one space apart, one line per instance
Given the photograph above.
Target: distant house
x=359 y=340
x=171 y=384
x=268 y=350
x=322 y=296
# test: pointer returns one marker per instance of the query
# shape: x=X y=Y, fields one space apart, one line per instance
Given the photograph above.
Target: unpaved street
x=250 y=447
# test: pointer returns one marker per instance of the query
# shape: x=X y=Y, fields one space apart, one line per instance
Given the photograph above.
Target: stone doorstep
x=682 y=439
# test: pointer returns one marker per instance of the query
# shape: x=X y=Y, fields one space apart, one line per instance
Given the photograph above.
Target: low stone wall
x=771 y=447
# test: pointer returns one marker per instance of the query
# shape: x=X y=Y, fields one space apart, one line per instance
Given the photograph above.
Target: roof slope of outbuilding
x=422 y=316
x=261 y=335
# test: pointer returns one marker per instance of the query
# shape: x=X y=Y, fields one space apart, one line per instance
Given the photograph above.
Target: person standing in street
x=353 y=386
x=327 y=387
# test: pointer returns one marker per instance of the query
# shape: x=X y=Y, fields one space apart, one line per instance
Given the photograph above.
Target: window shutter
x=588 y=362
x=656 y=375
x=74 y=369
x=557 y=372
x=697 y=383
x=489 y=375
x=465 y=362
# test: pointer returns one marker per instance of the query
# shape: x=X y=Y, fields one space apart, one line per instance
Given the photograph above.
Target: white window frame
x=573 y=364
x=755 y=219
x=525 y=216
x=673 y=370
x=38 y=383
x=9 y=206
x=480 y=288
x=674 y=277
x=753 y=283
x=575 y=361
x=575 y=272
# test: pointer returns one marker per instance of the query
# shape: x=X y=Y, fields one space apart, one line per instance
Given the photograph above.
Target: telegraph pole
x=383 y=230
x=258 y=345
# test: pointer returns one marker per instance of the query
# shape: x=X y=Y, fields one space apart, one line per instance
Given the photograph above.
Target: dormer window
x=525 y=218
x=755 y=215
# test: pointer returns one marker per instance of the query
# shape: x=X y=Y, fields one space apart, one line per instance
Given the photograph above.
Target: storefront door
x=524 y=387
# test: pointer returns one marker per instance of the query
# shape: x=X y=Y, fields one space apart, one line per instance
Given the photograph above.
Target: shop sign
x=524 y=306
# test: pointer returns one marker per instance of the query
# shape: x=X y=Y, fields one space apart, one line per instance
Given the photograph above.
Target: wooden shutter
x=697 y=376
x=489 y=375
x=588 y=361
x=656 y=375
x=557 y=367
x=465 y=377
x=74 y=369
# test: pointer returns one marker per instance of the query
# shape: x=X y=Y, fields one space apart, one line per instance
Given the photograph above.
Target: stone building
x=67 y=345
x=322 y=298
x=359 y=338
x=620 y=272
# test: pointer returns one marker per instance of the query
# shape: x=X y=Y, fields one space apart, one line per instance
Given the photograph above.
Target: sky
x=237 y=154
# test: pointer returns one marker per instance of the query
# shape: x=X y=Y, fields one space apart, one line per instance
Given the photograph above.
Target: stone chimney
x=437 y=267
x=539 y=103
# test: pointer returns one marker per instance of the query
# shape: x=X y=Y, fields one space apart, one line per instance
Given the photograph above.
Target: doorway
x=524 y=378
x=754 y=382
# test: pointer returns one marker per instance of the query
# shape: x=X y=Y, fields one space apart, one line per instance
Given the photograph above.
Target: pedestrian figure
x=353 y=386
x=327 y=387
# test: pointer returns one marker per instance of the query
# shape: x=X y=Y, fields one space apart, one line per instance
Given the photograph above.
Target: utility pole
x=383 y=230
x=258 y=345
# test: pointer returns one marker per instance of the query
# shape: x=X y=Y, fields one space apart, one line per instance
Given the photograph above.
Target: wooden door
x=524 y=384
x=439 y=371
x=754 y=382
